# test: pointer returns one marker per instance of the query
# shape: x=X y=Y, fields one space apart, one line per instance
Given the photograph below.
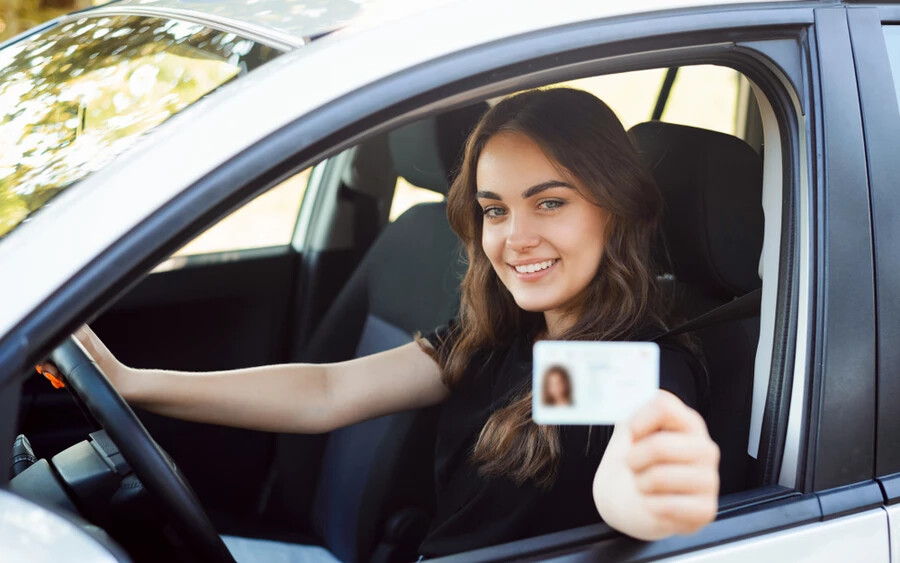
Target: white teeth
x=531 y=268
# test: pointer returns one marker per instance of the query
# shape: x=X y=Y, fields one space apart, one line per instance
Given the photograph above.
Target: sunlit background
x=17 y=16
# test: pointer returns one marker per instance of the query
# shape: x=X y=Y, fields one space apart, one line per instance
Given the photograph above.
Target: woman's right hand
x=115 y=371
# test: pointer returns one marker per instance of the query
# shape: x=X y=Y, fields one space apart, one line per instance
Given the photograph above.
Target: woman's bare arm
x=302 y=398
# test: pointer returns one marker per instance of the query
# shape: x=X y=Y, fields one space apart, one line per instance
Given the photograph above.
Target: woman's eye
x=551 y=204
x=493 y=212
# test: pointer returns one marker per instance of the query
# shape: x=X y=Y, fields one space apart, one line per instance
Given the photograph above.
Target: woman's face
x=558 y=392
x=543 y=238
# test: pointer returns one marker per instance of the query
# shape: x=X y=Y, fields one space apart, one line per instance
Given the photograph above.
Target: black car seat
x=713 y=230
x=374 y=492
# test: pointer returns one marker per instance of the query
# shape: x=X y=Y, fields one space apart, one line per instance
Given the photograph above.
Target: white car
x=128 y=130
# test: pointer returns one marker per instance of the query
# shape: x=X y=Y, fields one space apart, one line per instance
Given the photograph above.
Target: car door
x=875 y=32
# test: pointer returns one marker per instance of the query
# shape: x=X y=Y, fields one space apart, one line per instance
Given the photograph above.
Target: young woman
x=559 y=221
x=557 y=387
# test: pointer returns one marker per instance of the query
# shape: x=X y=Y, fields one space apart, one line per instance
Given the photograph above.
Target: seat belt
x=745 y=306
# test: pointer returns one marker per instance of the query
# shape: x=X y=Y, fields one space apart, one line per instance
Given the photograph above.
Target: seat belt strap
x=742 y=307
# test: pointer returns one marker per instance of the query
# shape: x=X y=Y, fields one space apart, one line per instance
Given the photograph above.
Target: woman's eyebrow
x=534 y=190
x=483 y=194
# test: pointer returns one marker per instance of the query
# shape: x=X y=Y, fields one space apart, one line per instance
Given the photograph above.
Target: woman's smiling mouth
x=534 y=270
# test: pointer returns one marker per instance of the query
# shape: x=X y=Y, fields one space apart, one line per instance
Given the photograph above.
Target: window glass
x=892 y=40
x=266 y=221
x=76 y=95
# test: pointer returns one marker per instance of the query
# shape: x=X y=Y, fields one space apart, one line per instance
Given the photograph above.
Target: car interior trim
x=773 y=248
x=309 y=207
x=220 y=257
x=774 y=362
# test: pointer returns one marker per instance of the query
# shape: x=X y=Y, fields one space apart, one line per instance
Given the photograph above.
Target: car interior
x=353 y=282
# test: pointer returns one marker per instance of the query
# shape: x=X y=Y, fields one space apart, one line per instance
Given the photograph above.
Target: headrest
x=427 y=152
x=712 y=222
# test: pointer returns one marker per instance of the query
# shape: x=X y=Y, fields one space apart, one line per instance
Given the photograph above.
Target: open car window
x=74 y=96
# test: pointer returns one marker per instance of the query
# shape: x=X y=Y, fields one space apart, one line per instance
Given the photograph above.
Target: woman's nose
x=521 y=236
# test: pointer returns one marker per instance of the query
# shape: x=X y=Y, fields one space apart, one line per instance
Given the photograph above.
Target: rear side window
x=76 y=95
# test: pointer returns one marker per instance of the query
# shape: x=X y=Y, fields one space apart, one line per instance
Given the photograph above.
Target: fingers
x=665 y=412
x=91 y=343
x=672 y=447
x=682 y=514
x=678 y=479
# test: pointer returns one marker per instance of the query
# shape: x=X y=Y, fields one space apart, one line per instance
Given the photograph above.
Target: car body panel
x=296 y=22
x=861 y=537
x=893 y=513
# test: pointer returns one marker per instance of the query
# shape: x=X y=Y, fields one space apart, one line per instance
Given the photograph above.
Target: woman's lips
x=532 y=276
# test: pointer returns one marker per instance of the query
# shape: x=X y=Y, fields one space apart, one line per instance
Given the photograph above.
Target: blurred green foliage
x=75 y=96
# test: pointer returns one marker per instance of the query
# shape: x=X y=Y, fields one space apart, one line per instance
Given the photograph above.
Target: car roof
x=297 y=22
x=291 y=22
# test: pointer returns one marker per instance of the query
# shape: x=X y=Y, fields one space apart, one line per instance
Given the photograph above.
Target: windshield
x=74 y=96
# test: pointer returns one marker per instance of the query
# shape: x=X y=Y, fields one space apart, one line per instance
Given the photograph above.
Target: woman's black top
x=474 y=511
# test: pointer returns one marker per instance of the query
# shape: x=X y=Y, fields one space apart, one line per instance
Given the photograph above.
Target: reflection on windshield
x=75 y=96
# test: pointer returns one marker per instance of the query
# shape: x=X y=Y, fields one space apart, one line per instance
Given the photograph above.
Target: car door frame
x=469 y=74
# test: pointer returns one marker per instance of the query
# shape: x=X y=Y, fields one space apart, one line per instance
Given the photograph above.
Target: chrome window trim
x=266 y=36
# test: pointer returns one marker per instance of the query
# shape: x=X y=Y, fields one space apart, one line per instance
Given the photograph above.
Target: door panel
x=217 y=316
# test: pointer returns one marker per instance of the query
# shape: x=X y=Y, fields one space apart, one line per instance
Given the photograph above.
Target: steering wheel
x=150 y=463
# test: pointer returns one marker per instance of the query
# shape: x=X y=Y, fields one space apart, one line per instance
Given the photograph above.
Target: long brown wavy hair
x=584 y=138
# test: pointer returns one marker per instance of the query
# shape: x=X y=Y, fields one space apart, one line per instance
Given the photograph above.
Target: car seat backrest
x=712 y=230
x=408 y=282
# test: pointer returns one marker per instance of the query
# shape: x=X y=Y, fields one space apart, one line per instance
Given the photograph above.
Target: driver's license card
x=577 y=382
